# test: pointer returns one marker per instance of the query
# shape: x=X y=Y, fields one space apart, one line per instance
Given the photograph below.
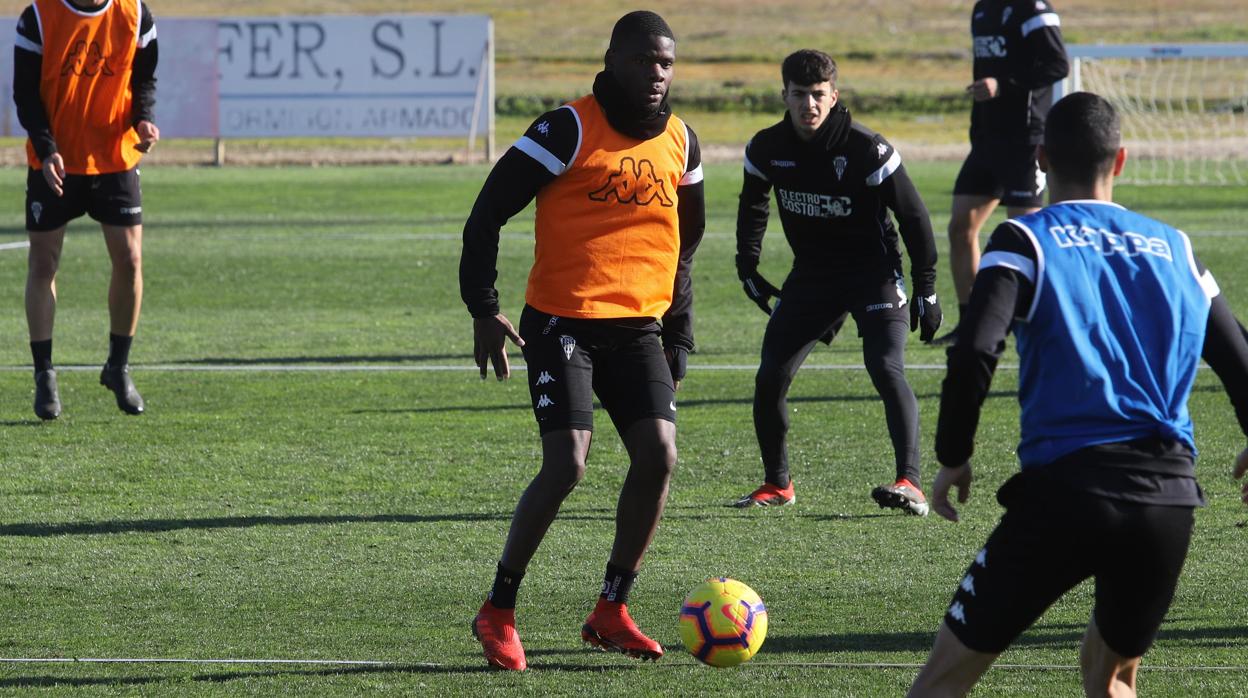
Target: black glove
x=677 y=362
x=925 y=316
x=759 y=290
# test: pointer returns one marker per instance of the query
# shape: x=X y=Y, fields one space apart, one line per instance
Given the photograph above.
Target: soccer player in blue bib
x=1111 y=312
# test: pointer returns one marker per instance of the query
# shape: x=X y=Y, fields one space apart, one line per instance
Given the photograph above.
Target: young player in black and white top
x=1019 y=54
x=835 y=182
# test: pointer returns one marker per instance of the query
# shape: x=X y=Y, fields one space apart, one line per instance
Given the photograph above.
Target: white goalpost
x=1184 y=107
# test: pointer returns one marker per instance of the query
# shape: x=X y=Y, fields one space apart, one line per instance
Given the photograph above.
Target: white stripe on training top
x=877 y=178
x=1048 y=19
x=28 y=45
x=749 y=167
x=533 y=149
x=1009 y=260
x=1038 y=282
x=692 y=177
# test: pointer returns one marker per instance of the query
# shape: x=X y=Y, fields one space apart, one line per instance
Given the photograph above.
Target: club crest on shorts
x=838 y=163
x=36 y=210
x=569 y=345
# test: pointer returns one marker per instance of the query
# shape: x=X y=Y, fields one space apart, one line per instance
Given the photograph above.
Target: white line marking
x=101 y=660
x=432 y=665
x=15 y=245
x=420 y=368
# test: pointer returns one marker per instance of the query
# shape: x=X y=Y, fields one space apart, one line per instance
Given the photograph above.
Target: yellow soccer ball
x=723 y=622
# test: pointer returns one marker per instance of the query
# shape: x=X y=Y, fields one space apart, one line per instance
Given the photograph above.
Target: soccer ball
x=722 y=622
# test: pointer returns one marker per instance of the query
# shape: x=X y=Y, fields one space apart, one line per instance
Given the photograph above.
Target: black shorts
x=571 y=360
x=1051 y=538
x=112 y=199
x=1008 y=172
x=812 y=303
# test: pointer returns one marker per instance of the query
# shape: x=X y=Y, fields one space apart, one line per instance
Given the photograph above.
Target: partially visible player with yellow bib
x=85 y=83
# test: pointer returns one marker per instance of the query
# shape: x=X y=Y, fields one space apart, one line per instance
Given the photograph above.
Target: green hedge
x=759 y=102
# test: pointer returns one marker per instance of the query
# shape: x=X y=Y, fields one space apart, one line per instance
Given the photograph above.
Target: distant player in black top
x=1111 y=313
x=1019 y=54
x=835 y=182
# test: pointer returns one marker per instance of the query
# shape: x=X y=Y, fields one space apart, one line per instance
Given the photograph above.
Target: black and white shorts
x=570 y=360
x=1008 y=172
x=114 y=198
x=1051 y=538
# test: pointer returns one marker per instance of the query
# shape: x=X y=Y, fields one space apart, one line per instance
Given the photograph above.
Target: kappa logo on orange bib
x=635 y=182
x=87 y=60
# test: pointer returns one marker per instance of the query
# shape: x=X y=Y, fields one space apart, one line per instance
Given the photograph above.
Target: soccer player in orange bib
x=609 y=311
x=84 y=82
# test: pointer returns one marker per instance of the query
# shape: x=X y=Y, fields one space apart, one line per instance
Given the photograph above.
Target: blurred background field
x=904 y=63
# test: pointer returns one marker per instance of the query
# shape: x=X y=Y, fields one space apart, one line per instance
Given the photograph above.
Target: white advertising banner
x=401 y=75
x=236 y=77
x=187 y=78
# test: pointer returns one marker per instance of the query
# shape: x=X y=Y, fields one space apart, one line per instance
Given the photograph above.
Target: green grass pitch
x=321 y=475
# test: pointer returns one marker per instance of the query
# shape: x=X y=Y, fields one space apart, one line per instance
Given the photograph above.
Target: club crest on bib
x=569 y=345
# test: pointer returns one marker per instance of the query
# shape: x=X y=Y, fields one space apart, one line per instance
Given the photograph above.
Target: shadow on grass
x=477 y=667
x=87 y=528
x=92 y=528
x=698 y=512
x=683 y=404
x=332 y=360
x=226 y=676
x=1043 y=635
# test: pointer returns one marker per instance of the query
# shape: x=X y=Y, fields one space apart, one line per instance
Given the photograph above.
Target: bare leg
x=651 y=445
x=966 y=219
x=125 y=289
x=951 y=669
x=563 y=465
x=41 y=264
x=1105 y=672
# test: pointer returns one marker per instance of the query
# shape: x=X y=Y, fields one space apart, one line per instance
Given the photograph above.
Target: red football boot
x=609 y=627
x=495 y=629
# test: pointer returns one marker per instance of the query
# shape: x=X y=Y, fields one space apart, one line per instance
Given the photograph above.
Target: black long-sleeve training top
x=834 y=194
x=1018 y=42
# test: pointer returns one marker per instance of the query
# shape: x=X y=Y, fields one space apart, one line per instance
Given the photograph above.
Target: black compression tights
x=883 y=353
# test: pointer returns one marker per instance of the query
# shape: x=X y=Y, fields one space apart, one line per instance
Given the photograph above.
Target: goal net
x=1183 y=108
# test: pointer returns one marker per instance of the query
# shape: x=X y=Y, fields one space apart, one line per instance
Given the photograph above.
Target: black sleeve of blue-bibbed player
x=997 y=298
x=540 y=155
x=27 y=73
x=915 y=225
x=691 y=212
x=1226 y=352
x=753 y=209
x=143 y=77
